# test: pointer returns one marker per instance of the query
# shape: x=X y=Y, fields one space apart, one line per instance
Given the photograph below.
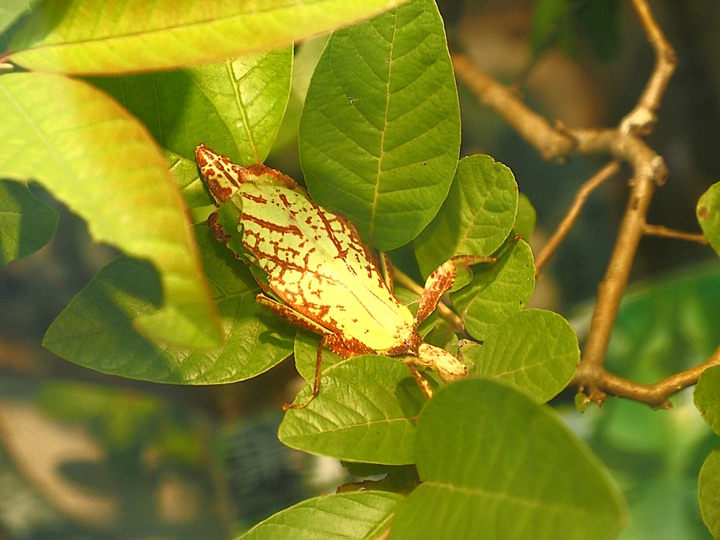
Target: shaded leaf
x=552 y=24
x=234 y=107
x=380 y=130
x=108 y=37
x=496 y=465
x=26 y=224
x=10 y=10
x=98 y=160
x=305 y=352
x=95 y=330
x=600 y=22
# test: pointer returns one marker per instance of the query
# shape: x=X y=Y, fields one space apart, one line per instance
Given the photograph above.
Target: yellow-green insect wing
x=311 y=259
x=316 y=263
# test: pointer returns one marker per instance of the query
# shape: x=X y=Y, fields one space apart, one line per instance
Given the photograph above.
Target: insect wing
x=317 y=264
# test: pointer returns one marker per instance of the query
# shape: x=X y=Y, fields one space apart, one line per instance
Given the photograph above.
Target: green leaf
x=26 y=224
x=708 y=215
x=477 y=215
x=551 y=24
x=95 y=330
x=109 y=37
x=10 y=10
x=526 y=217
x=197 y=198
x=98 y=160
x=234 y=107
x=305 y=352
x=362 y=515
x=535 y=351
x=707 y=397
x=380 y=131
x=709 y=492
x=497 y=290
x=494 y=464
x=364 y=412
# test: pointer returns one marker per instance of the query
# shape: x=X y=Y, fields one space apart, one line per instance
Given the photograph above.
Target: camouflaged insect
x=315 y=270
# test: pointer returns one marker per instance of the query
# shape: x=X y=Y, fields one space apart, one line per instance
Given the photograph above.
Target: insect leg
x=420 y=380
x=316 y=381
x=441 y=280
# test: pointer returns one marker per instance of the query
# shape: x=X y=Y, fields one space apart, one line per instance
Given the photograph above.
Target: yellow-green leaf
x=98 y=160
x=110 y=36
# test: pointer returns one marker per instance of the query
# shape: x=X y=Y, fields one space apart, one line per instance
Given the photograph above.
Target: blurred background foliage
x=83 y=455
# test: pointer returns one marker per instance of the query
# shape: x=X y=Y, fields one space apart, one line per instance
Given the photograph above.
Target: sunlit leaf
x=494 y=464
x=109 y=37
x=380 y=130
x=98 y=160
x=362 y=515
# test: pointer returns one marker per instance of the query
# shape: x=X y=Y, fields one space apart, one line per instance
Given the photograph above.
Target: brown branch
x=665 y=232
x=607 y=172
x=648 y=171
x=643 y=117
x=656 y=395
x=551 y=142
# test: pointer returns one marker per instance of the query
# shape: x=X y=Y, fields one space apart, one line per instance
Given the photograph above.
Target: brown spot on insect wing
x=258 y=169
x=217 y=229
x=200 y=155
x=221 y=175
x=218 y=191
x=346 y=347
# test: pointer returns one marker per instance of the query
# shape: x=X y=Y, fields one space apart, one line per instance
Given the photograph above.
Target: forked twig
x=656 y=395
x=624 y=144
x=643 y=116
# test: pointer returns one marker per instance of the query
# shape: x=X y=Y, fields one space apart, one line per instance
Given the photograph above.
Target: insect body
x=315 y=271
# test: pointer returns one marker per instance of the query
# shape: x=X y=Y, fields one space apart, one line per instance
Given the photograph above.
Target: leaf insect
x=316 y=273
